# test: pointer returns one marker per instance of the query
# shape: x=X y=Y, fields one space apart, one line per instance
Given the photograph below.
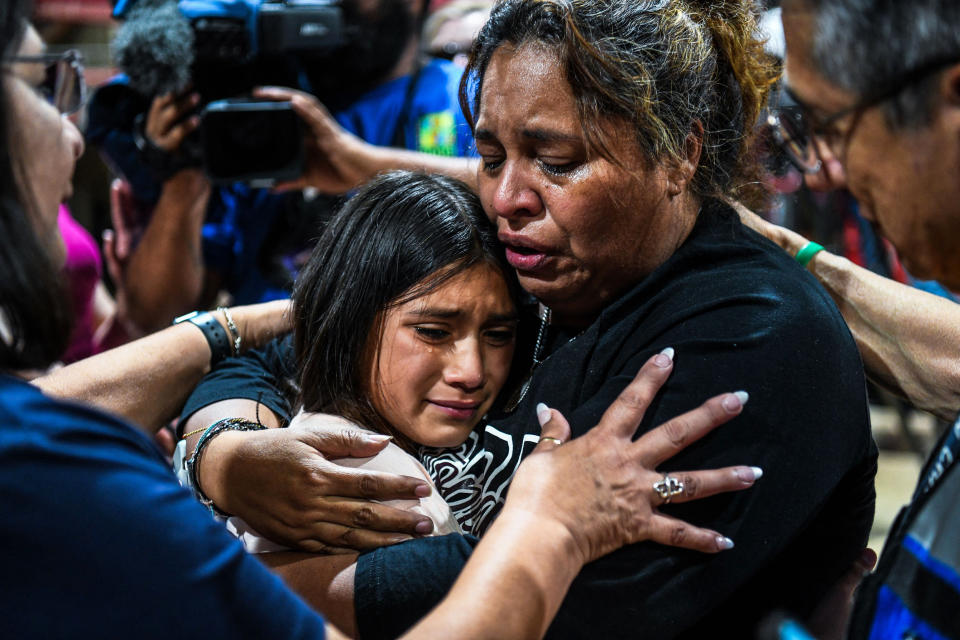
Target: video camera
x=223 y=49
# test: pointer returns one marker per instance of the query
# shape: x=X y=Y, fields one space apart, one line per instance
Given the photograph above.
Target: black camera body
x=222 y=49
x=254 y=141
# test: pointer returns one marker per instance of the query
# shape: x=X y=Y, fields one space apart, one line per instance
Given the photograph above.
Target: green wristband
x=805 y=255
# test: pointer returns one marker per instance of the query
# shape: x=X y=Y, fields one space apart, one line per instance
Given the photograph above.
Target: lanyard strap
x=944 y=456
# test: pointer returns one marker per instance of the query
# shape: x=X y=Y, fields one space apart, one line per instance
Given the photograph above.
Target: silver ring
x=556 y=441
x=668 y=488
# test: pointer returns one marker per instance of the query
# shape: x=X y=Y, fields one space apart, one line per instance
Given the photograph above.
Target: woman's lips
x=523 y=253
x=458 y=410
x=524 y=259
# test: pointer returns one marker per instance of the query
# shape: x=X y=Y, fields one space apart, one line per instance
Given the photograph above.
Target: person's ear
x=683 y=173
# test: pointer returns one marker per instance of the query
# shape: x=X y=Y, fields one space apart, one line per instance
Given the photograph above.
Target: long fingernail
x=748 y=475
x=422 y=490
x=665 y=358
x=543 y=414
x=399 y=539
x=377 y=438
x=724 y=543
x=424 y=526
x=735 y=401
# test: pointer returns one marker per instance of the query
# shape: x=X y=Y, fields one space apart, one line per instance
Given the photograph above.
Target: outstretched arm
x=147 y=381
x=909 y=339
x=282 y=481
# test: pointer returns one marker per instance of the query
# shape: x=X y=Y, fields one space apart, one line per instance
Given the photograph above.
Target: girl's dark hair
x=401 y=236
x=33 y=307
x=658 y=66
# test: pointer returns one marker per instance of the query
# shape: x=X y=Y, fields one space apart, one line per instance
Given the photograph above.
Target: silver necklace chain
x=545 y=315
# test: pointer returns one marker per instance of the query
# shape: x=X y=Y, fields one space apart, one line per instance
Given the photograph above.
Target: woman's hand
x=573 y=502
x=599 y=488
x=788 y=240
x=282 y=483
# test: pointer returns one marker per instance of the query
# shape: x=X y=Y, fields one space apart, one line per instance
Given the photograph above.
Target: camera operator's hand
x=337 y=160
x=167 y=123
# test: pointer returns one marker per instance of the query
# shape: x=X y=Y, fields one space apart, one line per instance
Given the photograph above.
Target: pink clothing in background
x=83 y=269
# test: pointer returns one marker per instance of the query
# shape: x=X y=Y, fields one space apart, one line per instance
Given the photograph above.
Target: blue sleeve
x=396 y=586
x=99 y=540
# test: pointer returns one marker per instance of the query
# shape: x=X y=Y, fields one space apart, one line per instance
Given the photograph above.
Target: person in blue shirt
x=880 y=116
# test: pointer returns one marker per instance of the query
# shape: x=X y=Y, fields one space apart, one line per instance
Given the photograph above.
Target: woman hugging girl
x=405 y=320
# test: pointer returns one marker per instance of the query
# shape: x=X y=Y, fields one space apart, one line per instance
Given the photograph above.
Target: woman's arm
x=909 y=339
x=147 y=381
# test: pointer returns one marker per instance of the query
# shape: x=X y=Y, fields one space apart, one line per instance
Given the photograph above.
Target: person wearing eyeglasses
x=52 y=146
x=878 y=84
x=100 y=323
x=906 y=336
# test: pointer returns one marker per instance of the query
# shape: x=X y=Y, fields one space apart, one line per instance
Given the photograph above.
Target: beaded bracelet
x=227 y=424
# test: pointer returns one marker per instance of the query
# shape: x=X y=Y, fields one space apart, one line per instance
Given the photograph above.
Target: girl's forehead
x=462 y=291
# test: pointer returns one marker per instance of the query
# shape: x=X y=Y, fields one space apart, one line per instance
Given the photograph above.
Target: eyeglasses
x=63 y=84
x=796 y=128
x=790 y=132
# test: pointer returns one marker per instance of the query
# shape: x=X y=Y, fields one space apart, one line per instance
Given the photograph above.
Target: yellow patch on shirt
x=438 y=134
